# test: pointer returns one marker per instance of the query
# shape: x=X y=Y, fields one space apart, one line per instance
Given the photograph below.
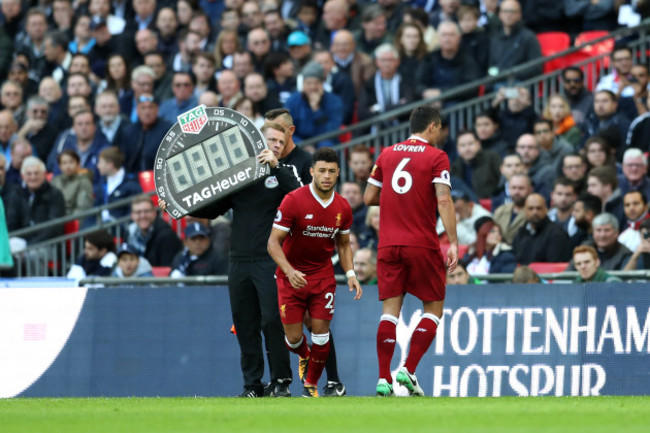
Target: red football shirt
x=406 y=173
x=312 y=225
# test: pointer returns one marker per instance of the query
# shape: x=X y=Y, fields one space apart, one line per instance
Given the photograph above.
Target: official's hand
x=162 y=204
x=297 y=279
x=267 y=157
x=354 y=285
x=452 y=258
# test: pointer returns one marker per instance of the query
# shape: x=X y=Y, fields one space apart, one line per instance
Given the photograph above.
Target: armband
x=350 y=274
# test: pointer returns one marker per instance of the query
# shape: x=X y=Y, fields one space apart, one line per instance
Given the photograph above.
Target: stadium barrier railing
x=460 y=116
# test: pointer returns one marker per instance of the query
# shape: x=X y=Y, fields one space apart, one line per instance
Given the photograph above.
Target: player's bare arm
x=274 y=247
x=372 y=194
x=347 y=263
x=448 y=216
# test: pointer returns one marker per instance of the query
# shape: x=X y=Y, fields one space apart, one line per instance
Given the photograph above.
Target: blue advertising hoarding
x=494 y=340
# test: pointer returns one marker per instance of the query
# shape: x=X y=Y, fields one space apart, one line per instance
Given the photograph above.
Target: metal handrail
x=459 y=115
x=340 y=279
x=485 y=81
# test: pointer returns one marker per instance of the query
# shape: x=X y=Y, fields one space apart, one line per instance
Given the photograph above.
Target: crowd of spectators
x=88 y=88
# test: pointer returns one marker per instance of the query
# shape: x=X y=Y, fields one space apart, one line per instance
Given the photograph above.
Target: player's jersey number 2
x=402 y=180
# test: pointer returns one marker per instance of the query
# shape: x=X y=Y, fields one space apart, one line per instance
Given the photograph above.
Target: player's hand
x=267 y=157
x=354 y=285
x=297 y=279
x=452 y=258
x=162 y=204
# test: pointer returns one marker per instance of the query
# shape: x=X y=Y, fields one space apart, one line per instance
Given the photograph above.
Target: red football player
x=310 y=222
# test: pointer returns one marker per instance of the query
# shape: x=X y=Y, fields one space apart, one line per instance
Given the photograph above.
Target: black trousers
x=254 y=306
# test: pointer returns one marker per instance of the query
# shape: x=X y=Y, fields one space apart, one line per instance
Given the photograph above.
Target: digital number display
x=210 y=153
x=207 y=159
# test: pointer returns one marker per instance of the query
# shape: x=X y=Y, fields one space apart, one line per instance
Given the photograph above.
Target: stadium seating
x=148 y=184
x=177 y=225
x=548 y=268
x=486 y=203
x=553 y=43
x=161 y=271
x=69 y=228
x=597 y=49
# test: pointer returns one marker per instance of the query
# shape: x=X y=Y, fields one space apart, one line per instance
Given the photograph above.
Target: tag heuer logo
x=193 y=121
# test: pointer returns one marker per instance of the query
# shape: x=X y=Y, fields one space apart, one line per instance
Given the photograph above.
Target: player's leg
x=320 y=347
x=334 y=386
x=390 y=275
x=321 y=310
x=246 y=316
x=277 y=353
x=431 y=291
x=386 y=339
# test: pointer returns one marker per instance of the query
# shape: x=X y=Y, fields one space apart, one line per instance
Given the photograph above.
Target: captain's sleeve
x=441 y=169
x=376 y=175
x=284 y=217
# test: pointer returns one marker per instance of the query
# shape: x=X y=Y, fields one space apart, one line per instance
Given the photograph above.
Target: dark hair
x=276 y=112
x=125 y=83
x=548 y=122
x=68 y=152
x=185 y=73
x=609 y=93
x=605 y=175
x=592 y=203
x=114 y=155
x=573 y=69
x=561 y=180
x=273 y=61
x=644 y=199
x=325 y=154
x=574 y=155
x=422 y=117
x=58 y=39
x=465 y=132
x=490 y=114
x=101 y=239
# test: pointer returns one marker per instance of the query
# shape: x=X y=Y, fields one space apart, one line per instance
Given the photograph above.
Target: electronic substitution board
x=210 y=153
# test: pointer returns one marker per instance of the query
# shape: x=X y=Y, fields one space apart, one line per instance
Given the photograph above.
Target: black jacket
x=47 y=204
x=436 y=72
x=11 y=196
x=209 y=263
x=548 y=244
x=484 y=174
x=163 y=245
x=140 y=150
x=254 y=209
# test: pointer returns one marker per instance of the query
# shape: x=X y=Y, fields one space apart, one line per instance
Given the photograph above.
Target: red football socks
x=386 y=338
x=421 y=339
x=317 y=360
x=302 y=349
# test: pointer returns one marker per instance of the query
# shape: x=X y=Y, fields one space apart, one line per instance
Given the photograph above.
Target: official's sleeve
x=284 y=217
x=441 y=169
x=376 y=175
x=287 y=176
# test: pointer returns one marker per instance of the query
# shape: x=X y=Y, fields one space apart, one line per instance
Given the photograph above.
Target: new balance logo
x=420 y=330
x=389 y=340
x=309 y=216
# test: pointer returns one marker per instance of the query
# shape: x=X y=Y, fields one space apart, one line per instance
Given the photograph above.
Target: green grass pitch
x=349 y=414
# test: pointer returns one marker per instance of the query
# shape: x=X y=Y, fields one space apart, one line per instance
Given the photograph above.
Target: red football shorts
x=317 y=297
x=415 y=270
